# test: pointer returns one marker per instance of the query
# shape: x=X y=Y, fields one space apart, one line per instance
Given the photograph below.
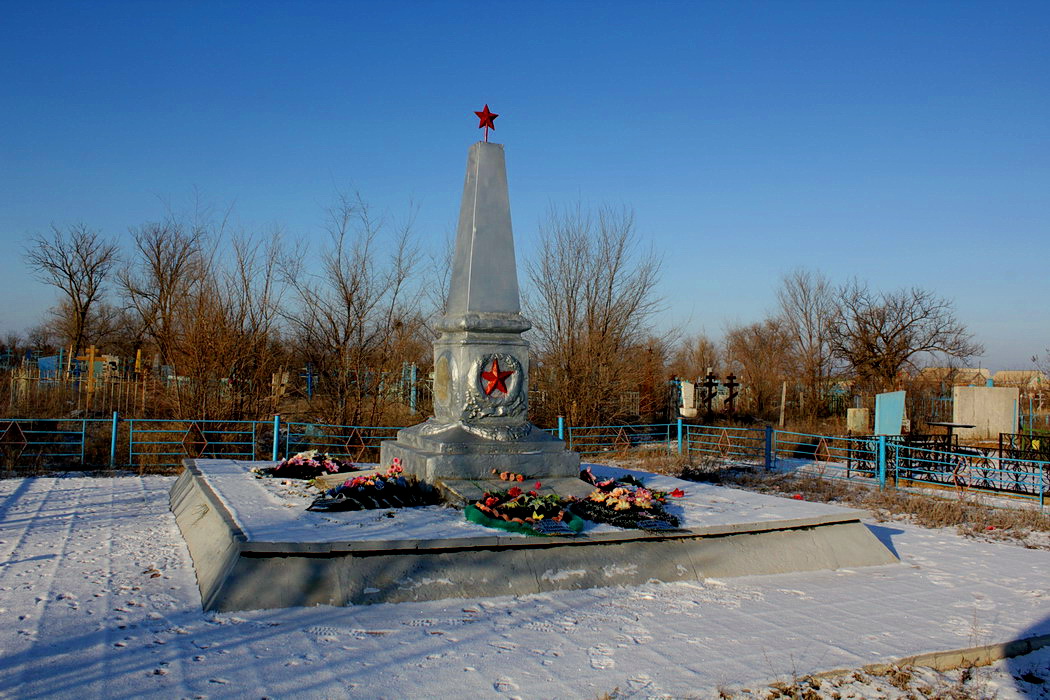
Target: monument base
x=250 y=552
x=435 y=451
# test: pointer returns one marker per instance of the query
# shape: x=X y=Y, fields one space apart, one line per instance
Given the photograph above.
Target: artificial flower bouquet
x=516 y=510
x=625 y=502
x=308 y=465
x=387 y=489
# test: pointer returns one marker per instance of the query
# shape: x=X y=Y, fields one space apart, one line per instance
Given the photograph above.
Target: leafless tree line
x=232 y=313
x=820 y=337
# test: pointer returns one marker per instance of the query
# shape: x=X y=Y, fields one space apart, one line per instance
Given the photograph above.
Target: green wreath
x=474 y=515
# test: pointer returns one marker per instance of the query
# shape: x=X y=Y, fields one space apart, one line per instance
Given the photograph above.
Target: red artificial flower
x=797 y=497
x=533 y=493
x=521 y=477
x=514 y=492
x=677 y=493
x=538 y=484
x=490 y=501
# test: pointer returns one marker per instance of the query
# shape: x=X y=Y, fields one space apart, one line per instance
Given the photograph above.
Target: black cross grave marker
x=710 y=390
x=731 y=384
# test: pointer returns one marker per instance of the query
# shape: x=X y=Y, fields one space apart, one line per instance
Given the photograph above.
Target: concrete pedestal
x=243 y=565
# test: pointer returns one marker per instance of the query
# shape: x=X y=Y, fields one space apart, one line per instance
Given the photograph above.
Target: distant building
x=953 y=376
x=1024 y=379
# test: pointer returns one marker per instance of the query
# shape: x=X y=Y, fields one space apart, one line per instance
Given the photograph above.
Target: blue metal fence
x=357 y=443
x=160 y=445
x=728 y=443
x=597 y=439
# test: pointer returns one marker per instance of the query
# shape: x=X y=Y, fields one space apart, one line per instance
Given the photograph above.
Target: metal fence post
x=561 y=428
x=113 y=441
x=679 y=436
x=276 y=436
x=413 y=378
x=882 y=462
x=769 y=447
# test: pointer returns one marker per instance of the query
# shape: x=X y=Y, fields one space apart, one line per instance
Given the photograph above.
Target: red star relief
x=486 y=118
x=495 y=378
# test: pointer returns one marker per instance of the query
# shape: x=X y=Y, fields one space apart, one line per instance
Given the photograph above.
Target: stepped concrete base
x=433 y=451
x=236 y=572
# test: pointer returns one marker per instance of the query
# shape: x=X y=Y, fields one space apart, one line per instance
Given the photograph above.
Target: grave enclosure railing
x=1019 y=468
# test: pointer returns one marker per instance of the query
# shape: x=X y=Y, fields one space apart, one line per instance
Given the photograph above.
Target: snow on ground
x=98 y=599
x=274 y=510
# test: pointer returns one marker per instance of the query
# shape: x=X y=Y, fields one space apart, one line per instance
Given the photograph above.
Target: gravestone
x=991 y=410
x=688 y=408
x=481 y=362
x=858 y=421
x=889 y=412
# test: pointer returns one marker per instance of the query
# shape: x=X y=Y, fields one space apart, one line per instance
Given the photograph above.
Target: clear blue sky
x=904 y=143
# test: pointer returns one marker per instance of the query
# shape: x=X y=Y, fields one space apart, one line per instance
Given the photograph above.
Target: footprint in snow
x=504 y=685
x=601 y=658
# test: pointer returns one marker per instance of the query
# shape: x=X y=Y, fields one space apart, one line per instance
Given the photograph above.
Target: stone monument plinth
x=481 y=362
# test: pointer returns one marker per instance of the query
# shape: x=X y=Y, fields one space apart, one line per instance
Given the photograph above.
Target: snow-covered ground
x=98 y=599
x=274 y=510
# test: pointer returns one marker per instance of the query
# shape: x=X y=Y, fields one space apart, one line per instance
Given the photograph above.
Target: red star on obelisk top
x=486 y=118
x=495 y=378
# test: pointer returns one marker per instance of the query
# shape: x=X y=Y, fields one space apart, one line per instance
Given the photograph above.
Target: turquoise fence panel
x=357 y=443
x=826 y=456
x=729 y=443
x=163 y=444
x=53 y=443
x=597 y=439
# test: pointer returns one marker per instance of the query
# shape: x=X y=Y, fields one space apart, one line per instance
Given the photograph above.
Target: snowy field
x=98 y=599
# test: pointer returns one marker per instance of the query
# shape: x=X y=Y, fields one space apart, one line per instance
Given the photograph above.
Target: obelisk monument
x=481 y=362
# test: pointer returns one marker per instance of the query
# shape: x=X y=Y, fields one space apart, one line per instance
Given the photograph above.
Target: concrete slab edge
x=466 y=543
x=955 y=658
x=190 y=465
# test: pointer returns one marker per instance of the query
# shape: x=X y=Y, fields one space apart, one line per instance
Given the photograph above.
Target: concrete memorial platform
x=254 y=545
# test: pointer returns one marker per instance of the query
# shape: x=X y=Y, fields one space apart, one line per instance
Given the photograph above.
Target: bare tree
x=171 y=263
x=694 y=356
x=807 y=306
x=356 y=315
x=881 y=334
x=77 y=262
x=755 y=353
x=592 y=299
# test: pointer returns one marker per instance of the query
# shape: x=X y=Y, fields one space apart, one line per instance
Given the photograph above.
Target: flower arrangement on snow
x=625 y=502
x=388 y=489
x=308 y=465
x=516 y=510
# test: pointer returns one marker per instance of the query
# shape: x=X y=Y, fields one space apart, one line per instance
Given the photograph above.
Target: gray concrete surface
x=235 y=573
